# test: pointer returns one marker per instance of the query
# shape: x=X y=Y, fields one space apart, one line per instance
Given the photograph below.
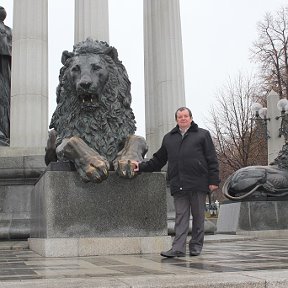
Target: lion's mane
x=106 y=128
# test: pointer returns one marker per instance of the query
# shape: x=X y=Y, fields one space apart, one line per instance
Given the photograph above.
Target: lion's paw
x=125 y=169
x=94 y=173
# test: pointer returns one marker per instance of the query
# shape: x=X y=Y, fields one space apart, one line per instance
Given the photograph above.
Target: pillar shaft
x=29 y=89
x=91 y=20
x=164 y=72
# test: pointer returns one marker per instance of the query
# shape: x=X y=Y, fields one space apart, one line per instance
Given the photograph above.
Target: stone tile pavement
x=226 y=261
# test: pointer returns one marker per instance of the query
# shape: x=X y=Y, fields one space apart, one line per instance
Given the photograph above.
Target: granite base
x=252 y=217
x=18 y=175
x=118 y=216
x=74 y=247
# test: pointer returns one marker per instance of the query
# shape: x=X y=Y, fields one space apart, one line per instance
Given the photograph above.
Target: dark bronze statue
x=260 y=182
x=5 y=78
x=93 y=125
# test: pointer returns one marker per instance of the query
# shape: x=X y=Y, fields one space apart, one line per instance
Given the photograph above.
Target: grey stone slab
x=227 y=238
x=217 y=280
x=64 y=206
x=262 y=215
x=4 y=229
x=258 y=263
x=15 y=198
x=21 y=167
x=22 y=151
x=18 y=174
x=61 y=166
x=227 y=281
x=74 y=247
x=11 y=162
x=34 y=161
x=277 y=284
x=252 y=216
x=282 y=213
x=15 y=207
x=68 y=247
x=65 y=283
x=228 y=218
x=19 y=229
x=14 y=245
x=274 y=279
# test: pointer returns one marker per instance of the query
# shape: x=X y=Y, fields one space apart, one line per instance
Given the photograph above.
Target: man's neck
x=184 y=130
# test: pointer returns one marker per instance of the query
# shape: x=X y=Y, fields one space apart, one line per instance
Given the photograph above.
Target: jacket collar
x=193 y=128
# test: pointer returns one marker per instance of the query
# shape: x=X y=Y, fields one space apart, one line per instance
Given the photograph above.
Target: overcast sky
x=217 y=36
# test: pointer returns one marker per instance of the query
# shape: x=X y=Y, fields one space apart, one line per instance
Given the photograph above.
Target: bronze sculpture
x=260 y=182
x=5 y=78
x=93 y=125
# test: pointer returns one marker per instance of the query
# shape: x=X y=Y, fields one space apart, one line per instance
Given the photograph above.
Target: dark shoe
x=170 y=254
x=194 y=253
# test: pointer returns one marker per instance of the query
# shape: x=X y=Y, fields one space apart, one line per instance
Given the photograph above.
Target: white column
x=275 y=142
x=164 y=72
x=29 y=83
x=91 y=20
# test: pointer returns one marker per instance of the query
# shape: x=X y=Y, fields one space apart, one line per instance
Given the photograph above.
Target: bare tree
x=271 y=51
x=239 y=140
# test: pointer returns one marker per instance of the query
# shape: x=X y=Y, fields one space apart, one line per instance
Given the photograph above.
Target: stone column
x=164 y=72
x=275 y=142
x=29 y=90
x=91 y=20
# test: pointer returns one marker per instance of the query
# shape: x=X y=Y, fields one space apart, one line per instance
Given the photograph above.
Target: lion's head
x=93 y=98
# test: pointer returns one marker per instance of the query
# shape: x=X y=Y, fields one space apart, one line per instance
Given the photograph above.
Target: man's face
x=183 y=119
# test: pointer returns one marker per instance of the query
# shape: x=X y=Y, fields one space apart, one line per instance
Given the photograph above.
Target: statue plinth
x=117 y=216
x=259 y=218
x=18 y=174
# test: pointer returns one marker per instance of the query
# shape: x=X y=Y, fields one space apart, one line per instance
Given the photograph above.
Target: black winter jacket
x=192 y=160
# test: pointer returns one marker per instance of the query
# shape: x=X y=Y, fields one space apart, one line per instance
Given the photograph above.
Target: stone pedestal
x=18 y=175
x=253 y=217
x=118 y=216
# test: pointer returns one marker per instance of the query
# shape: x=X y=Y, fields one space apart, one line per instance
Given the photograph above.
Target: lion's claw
x=96 y=174
x=125 y=169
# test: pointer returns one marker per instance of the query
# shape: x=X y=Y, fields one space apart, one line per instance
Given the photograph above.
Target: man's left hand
x=213 y=187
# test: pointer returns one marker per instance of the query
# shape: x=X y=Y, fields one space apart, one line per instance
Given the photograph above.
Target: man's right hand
x=136 y=165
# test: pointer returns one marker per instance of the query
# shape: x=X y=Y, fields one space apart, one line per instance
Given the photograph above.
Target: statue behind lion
x=260 y=182
x=93 y=125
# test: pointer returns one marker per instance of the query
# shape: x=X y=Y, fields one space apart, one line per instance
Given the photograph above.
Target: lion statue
x=93 y=124
x=260 y=182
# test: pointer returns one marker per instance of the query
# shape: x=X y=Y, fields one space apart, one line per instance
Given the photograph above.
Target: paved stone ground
x=226 y=261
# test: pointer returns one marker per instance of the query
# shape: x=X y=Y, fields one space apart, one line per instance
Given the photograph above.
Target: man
x=5 y=78
x=192 y=172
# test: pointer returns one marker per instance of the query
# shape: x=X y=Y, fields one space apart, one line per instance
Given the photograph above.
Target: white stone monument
x=275 y=142
x=22 y=163
x=164 y=72
x=91 y=20
x=164 y=86
x=29 y=89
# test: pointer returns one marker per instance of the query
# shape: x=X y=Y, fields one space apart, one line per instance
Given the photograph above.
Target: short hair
x=3 y=13
x=182 y=109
